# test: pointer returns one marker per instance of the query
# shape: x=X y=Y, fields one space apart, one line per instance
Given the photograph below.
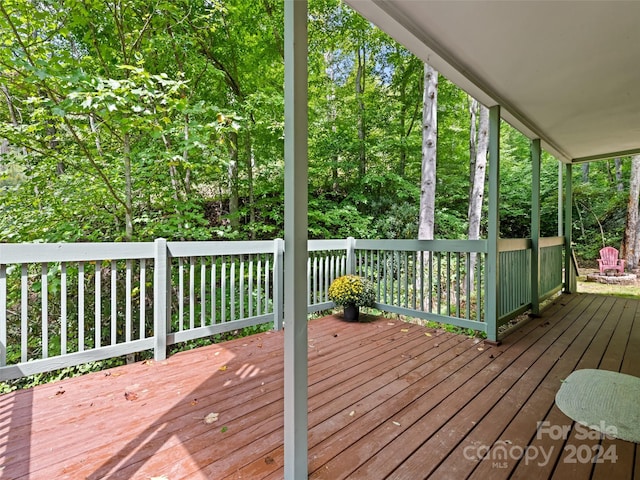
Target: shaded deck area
x=387 y=399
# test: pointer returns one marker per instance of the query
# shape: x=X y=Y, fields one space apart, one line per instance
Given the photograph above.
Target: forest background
x=131 y=120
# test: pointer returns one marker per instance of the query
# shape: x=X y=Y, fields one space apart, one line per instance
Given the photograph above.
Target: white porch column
x=295 y=239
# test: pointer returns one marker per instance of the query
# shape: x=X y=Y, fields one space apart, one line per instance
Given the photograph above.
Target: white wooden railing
x=66 y=304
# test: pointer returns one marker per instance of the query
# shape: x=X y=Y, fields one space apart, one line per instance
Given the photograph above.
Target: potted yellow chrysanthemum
x=352 y=292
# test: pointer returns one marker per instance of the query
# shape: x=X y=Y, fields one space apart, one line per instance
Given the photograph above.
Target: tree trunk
x=234 y=196
x=128 y=192
x=250 y=167
x=360 y=74
x=185 y=158
x=630 y=247
x=473 y=139
x=479 y=171
x=429 y=148
x=332 y=114
x=585 y=172
x=477 y=183
x=620 y=185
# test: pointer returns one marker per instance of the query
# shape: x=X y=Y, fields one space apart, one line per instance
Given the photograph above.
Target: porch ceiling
x=565 y=72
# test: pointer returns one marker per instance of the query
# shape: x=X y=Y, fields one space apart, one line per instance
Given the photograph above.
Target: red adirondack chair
x=609 y=260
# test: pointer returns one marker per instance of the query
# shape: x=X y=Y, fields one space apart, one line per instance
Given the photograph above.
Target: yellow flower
x=352 y=290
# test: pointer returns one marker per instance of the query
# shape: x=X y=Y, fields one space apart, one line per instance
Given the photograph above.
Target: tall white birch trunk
x=476 y=194
x=631 y=247
x=479 y=174
x=429 y=147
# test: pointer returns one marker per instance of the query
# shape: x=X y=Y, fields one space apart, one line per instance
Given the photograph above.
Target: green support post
x=535 y=226
x=560 y=204
x=568 y=202
x=492 y=268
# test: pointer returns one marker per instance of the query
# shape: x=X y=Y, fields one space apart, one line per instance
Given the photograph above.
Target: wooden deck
x=386 y=400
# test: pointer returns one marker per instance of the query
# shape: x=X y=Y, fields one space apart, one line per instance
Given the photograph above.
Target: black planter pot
x=351 y=313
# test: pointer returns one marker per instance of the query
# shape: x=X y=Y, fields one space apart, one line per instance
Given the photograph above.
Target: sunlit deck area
x=387 y=399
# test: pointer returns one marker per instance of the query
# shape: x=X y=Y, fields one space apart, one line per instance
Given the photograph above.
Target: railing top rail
x=551 y=242
x=197 y=249
x=72 y=252
x=513 y=244
x=463 y=246
x=318 y=245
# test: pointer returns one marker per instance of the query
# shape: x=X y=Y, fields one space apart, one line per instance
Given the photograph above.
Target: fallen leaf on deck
x=194 y=402
x=131 y=396
x=396 y=424
x=147 y=362
x=212 y=417
x=224 y=429
x=480 y=349
x=390 y=323
x=223 y=368
x=60 y=392
x=404 y=330
x=352 y=413
x=428 y=334
x=269 y=460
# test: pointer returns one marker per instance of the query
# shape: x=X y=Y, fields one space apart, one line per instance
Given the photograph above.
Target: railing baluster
x=259 y=285
x=422 y=255
x=315 y=279
x=127 y=289
x=114 y=302
x=241 y=287
x=468 y=289
x=214 y=290
x=456 y=293
x=97 y=308
x=63 y=308
x=448 y=283
x=192 y=293
x=384 y=276
x=379 y=275
x=203 y=291
x=250 y=286
x=431 y=257
x=24 y=311
x=44 y=298
x=143 y=298
x=479 y=283
x=266 y=287
x=223 y=291
x=414 y=272
x=325 y=296
x=81 y=306
x=180 y=294
x=232 y=288
x=405 y=259
x=308 y=279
